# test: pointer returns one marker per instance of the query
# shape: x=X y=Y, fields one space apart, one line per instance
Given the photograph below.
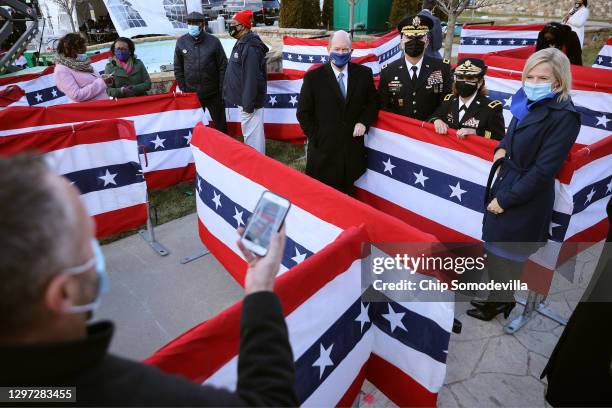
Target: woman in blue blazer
x=519 y=202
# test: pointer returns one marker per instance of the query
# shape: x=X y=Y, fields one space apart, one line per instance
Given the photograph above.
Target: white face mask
x=100 y=265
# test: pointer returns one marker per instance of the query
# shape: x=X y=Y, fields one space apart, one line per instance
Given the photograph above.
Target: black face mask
x=414 y=48
x=465 y=89
x=233 y=30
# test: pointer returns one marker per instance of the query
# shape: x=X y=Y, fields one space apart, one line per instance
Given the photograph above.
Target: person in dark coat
x=415 y=85
x=199 y=66
x=467 y=108
x=519 y=204
x=337 y=104
x=129 y=74
x=579 y=371
x=246 y=80
x=562 y=37
x=53 y=276
x=435 y=34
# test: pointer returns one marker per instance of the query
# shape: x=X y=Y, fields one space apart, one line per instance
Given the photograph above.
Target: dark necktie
x=341 y=85
x=461 y=112
x=413 y=78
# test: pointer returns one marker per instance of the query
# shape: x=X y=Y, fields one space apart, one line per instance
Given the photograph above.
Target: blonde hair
x=561 y=68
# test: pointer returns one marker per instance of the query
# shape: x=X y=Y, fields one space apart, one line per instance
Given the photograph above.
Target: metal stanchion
x=199 y=254
x=534 y=303
x=148 y=234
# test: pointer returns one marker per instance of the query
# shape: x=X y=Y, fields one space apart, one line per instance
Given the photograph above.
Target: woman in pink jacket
x=74 y=74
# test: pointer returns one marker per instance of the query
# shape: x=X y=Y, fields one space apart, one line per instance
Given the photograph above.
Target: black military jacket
x=398 y=95
x=484 y=115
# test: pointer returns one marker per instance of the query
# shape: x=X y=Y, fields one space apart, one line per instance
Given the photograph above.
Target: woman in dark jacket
x=130 y=76
x=519 y=203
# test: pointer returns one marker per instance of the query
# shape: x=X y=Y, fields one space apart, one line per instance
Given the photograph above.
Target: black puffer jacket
x=199 y=64
x=245 y=80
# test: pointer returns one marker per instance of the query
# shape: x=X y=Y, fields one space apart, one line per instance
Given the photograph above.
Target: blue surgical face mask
x=193 y=30
x=534 y=92
x=100 y=264
x=122 y=55
x=81 y=57
x=340 y=59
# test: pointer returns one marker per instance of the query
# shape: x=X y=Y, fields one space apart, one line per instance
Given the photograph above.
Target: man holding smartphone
x=53 y=276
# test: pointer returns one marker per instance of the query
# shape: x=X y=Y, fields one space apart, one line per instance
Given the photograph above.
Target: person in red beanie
x=245 y=79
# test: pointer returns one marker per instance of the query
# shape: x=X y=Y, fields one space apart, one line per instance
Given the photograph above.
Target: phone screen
x=266 y=220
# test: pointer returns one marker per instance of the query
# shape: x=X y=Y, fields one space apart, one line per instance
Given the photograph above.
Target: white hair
x=340 y=34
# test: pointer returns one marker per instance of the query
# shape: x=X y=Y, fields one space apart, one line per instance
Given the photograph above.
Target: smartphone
x=267 y=219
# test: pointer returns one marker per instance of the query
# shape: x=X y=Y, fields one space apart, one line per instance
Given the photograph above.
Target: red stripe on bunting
x=63 y=137
x=284 y=132
x=584 y=156
x=113 y=222
x=443 y=233
x=336 y=207
x=28 y=116
x=397 y=385
x=204 y=349
x=425 y=132
x=518 y=27
x=160 y=179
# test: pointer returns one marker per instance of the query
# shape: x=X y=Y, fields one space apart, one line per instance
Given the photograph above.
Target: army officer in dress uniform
x=415 y=85
x=468 y=109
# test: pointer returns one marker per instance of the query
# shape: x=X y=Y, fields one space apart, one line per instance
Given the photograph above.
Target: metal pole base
x=157 y=247
x=533 y=303
x=197 y=255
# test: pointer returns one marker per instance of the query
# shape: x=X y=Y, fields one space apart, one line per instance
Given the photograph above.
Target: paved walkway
x=152 y=300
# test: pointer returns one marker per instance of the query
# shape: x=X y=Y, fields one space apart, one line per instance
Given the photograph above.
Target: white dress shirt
x=467 y=105
x=418 y=65
x=337 y=72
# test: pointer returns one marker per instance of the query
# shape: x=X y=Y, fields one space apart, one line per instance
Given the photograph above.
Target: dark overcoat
x=335 y=157
x=525 y=186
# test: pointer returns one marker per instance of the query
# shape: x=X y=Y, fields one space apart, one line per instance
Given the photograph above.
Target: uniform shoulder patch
x=494 y=104
x=446 y=61
x=447 y=97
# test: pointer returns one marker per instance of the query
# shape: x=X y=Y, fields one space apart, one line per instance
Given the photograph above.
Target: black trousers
x=502 y=270
x=216 y=108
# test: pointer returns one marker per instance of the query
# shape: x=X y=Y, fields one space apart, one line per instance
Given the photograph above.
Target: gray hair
x=343 y=34
x=560 y=66
x=35 y=225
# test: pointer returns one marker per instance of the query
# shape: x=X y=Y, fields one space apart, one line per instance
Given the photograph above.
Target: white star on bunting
x=273 y=100
x=420 y=178
x=158 y=142
x=54 y=92
x=298 y=256
x=590 y=196
x=108 y=178
x=238 y=217
x=324 y=359
x=38 y=97
x=394 y=319
x=388 y=166
x=188 y=137
x=293 y=100
x=456 y=191
x=609 y=187
x=363 y=317
x=217 y=200
x=602 y=120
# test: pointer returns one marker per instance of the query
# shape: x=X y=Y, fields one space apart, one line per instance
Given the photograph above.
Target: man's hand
x=359 y=130
x=441 y=126
x=262 y=270
x=494 y=207
x=463 y=132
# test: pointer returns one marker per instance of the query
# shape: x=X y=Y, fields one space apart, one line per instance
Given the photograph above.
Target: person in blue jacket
x=519 y=202
x=435 y=34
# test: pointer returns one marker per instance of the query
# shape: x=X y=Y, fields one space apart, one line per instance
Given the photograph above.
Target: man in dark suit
x=415 y=85
x=338 y=102
x=435 y=34
x=467 y=108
